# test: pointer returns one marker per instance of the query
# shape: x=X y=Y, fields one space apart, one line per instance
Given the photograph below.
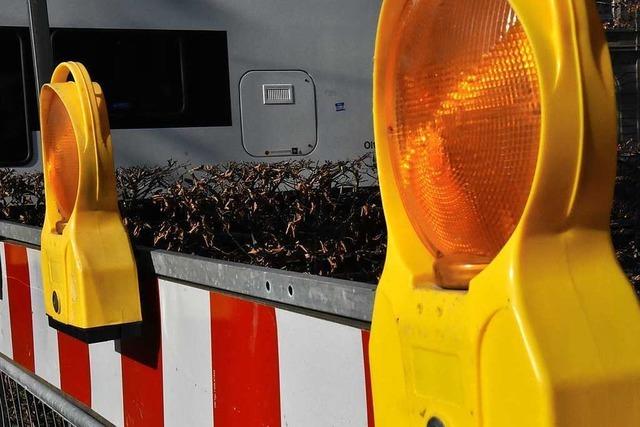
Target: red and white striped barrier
x=204 y=358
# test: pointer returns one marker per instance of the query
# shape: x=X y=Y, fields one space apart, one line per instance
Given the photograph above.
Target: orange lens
x=467 y=130
x=61 y=157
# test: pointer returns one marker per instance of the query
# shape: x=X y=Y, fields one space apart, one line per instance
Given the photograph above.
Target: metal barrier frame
x=345 y=300
x=64 y=406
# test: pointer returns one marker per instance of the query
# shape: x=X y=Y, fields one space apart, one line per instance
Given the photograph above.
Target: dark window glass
x=15 y=130
x=154 y=78
x=625 y=59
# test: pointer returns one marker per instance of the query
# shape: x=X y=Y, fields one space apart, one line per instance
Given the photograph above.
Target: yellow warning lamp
x=88 y=268
x=501 y=303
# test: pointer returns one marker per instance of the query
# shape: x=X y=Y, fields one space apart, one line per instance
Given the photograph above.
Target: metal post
x=40 y=41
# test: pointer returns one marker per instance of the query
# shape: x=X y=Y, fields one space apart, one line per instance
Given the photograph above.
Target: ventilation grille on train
x=277 y=94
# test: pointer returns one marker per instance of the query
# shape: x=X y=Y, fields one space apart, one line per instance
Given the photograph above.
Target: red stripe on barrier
x=246 y=379
x=142 y=364
x=19 y=295
x=75 y=374
x=367 y=378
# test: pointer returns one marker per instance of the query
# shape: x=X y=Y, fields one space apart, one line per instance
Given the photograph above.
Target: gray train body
x=274 y=79
x=299 y=76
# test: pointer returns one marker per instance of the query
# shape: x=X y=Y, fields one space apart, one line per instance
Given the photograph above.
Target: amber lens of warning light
x=61 y=153
x=467 y=130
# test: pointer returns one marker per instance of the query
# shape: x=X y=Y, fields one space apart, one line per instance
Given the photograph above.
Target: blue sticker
x=340 y=106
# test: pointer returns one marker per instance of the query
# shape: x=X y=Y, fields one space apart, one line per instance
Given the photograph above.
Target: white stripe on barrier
x=106 y=381
x=321 y=372
x=186 y=355
x=45 y=338
x=6 y=346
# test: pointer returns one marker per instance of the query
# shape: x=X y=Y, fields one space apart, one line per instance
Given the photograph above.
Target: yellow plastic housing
x=88 y=268
x=548 y=334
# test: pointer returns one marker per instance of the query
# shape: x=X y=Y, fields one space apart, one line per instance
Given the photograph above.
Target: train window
x=154 y=78
x=625 y=58
x=15 y=84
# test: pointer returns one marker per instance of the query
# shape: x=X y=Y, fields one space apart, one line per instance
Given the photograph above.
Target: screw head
x=435 y=422
x=56 y=302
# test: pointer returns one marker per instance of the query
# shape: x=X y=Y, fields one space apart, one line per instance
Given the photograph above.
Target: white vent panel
x=277 y=94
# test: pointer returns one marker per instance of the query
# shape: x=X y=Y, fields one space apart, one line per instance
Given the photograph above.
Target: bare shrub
x=319 y=218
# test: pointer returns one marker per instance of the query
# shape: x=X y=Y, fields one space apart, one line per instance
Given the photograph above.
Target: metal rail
x=41 y=48
x=351 y=300
x=27 y=401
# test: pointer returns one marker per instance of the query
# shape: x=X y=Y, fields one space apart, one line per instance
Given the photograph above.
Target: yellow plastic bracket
x=549 y=333
x=88 y=268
